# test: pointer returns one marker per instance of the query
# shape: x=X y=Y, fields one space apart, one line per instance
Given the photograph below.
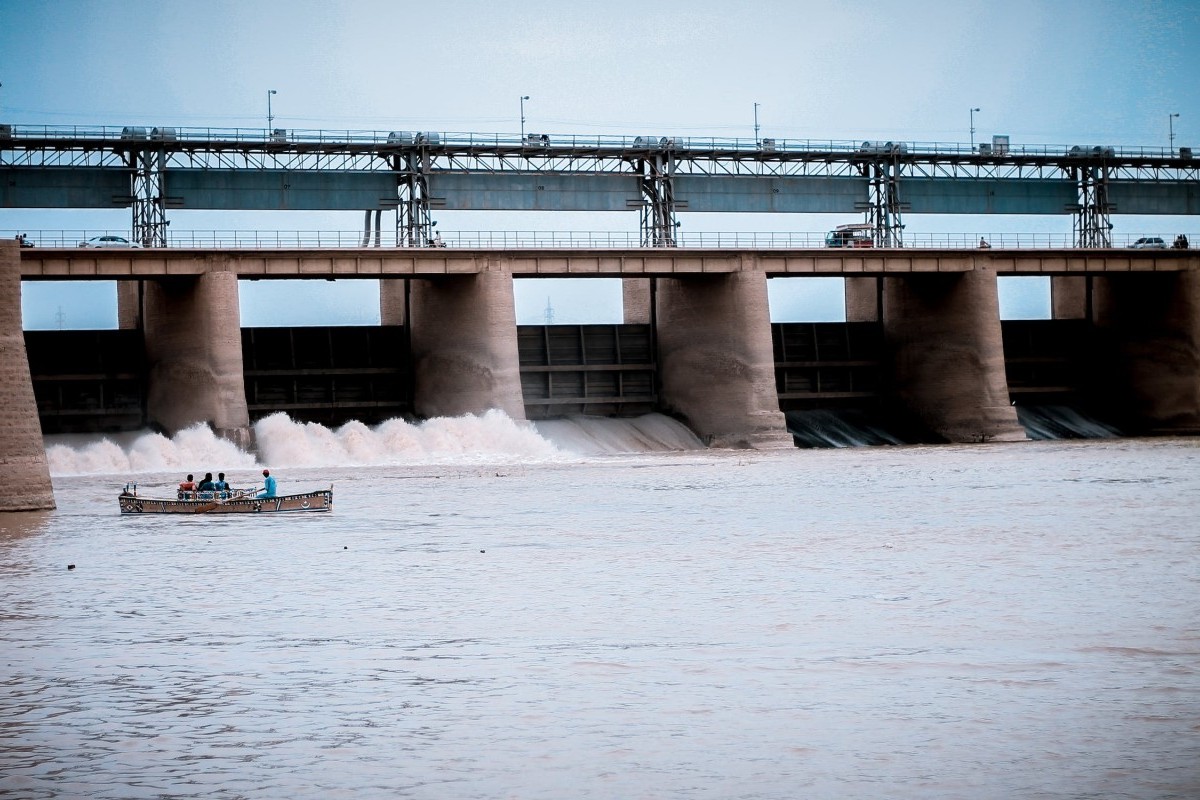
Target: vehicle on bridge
x=861 y=234
x=1149 y=243
x=108 y=241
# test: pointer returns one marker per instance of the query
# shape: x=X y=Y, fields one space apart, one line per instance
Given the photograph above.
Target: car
x=1149 y=243
x=108 y=241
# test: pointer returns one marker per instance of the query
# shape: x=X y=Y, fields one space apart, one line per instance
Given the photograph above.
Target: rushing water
x=492 y=613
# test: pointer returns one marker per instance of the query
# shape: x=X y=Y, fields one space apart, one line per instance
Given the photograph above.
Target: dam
x=923 y=340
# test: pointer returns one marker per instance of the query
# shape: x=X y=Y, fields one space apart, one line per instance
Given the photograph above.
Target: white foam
x=283 y=442
x=145 y=452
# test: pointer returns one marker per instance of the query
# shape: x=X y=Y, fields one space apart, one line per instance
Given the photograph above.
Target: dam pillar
x=1149 y=326
x=1069 y=297
x=392 y=301
x=716 y=359
x=194 y=355
x=635 y=301
x=464 y=345
x=943 y=330
x=129 y=305
x=23 y=467
x=862 y=299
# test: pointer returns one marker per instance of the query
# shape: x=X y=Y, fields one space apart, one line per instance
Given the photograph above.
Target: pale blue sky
x=1041 y=72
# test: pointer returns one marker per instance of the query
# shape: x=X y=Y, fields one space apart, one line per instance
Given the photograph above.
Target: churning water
x=603 y=610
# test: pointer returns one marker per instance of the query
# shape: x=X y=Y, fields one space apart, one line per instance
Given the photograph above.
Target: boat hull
x=321 y=500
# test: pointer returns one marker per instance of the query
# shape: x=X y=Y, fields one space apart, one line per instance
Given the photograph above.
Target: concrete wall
x=635 y=301
x=1150 y=327
x=862 y=299
x=948 y=355
x=129 y=305
x=464 y=345
x=391 y=301
x=194 y=354
x=716 y=362
x=1069 y=297
x=24 y=473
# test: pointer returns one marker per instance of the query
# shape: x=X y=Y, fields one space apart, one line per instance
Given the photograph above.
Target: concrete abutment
x=24 y=470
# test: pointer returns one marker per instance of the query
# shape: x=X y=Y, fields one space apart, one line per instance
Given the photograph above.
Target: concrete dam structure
x=923 y=337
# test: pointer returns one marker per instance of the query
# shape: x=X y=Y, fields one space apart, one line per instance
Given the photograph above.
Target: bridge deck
x=134 y=264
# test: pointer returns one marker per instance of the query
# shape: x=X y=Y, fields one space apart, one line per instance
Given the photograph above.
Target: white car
x=1149 y=243
x=108 y=241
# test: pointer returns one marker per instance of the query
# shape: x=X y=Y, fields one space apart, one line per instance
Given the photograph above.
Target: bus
x=860 y=234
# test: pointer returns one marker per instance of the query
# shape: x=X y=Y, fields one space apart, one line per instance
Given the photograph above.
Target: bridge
x=923 y=340
x=156 y=170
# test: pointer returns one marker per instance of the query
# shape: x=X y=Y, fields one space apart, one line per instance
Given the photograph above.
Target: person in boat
x=186 y=488
x=220 y=486
x=268 y=484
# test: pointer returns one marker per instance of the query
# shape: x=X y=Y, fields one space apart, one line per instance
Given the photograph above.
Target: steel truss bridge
x=414 y=173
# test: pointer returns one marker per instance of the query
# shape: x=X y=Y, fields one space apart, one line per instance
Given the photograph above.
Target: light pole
x=973 y=110
x=756 y=124
x=1171 y=129
x=270 y=117
x=524 y=97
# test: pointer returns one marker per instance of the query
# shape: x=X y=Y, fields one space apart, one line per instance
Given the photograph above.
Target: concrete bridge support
x=1150 y=326
x=948 y=354
x=24 y=472
x=464 y=345
x=392 y=301
x=862 y=299
x=194 y=354
x=716 y=361
x=635 y=301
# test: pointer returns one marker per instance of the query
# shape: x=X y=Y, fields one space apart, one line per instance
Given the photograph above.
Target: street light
x=524 y=97
x=756 y=124
x=270 y=118
x=1171 y=128
x=973 y=110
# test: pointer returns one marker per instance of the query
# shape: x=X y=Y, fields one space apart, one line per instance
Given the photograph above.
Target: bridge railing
x=536 y=141
x=571 y=240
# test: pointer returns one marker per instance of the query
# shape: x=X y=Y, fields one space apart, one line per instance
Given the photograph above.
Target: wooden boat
x=236 y=501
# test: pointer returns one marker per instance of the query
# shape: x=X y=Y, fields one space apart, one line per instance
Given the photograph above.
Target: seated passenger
x=220 y=486
x=186 y=488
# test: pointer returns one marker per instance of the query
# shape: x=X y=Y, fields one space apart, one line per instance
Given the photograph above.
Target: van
x=860 y=234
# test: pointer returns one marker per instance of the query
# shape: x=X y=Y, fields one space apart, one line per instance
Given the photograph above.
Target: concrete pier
x=464 y=345
x=392 y=301
x=1150 y=329
x=635 y=301
x=24 y=473
x=862 y=299
x=948 y=354
x=194 y=353
x=716 y=361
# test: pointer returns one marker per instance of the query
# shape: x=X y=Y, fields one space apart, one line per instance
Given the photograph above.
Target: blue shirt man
x=268 y=485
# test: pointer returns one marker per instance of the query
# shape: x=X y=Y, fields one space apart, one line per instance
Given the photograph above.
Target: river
x=607 y=611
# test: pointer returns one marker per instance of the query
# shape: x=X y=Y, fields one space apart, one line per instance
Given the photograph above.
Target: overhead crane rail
x=414 y=172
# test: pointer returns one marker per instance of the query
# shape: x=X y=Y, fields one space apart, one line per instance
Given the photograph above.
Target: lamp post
x=1171 y=130
x=270 y=117
x=973 y=110
x=756 y=139
x=524 y=97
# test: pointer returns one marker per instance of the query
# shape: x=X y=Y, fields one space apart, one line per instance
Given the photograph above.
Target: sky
x=1066 y=72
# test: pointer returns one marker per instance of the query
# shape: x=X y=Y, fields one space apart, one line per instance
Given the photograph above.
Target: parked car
x=1149 y=243
x=108 y=241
